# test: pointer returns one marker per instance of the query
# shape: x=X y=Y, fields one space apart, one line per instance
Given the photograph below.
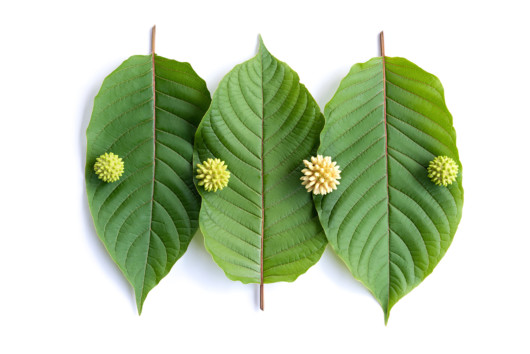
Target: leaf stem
x=153 y=34
x=382 y=43
x=261 y=304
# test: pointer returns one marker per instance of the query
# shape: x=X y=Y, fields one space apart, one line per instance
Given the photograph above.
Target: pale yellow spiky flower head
x=443 y=170
x=321 y=175
x=213 y=174
x=109 y=167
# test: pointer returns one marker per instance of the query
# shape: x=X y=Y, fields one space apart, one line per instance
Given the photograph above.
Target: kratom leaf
x=263 y=226
x=389 y=223
x=146 y=112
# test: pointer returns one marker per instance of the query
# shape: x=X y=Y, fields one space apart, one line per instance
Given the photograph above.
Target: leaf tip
x=262 y=47
x=140 y=298
x=139 y=306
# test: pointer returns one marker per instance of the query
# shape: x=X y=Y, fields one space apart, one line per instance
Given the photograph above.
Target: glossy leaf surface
x=147 y=112
x=263 y=226
x=389 y=223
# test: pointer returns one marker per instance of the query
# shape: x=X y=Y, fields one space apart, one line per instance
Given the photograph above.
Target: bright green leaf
x=147 y=112
x=389 y=223
x=263 y=123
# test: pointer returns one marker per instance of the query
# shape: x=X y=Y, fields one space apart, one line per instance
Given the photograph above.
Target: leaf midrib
x=387 y=311
x=262 y=229
x=152 y=182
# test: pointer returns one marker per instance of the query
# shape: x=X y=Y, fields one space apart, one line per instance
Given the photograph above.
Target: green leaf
x=263 y=226
x=147 y=112
x=387 y=220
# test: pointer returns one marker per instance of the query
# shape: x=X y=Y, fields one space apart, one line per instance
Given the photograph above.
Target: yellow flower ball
x=213 y=175
x=443 y=170
x=109 y=167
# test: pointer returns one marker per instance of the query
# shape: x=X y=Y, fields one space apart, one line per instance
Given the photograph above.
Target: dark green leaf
x=389 y=223
x=146 y=112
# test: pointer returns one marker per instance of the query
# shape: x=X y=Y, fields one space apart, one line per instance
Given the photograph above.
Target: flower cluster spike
x=213 y=174
x=443 y=170
x=321 y=175
x=109 y=167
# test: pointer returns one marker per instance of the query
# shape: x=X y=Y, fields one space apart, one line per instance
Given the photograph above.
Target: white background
x=61 y=293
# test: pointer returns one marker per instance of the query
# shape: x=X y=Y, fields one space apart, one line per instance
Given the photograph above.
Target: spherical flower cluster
x=212 y=174
x=321 y=175
x=109 y=167
x=443 y=170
